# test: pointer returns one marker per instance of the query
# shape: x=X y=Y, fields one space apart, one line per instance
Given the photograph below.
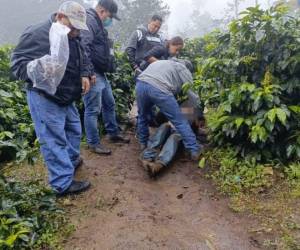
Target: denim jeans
x=147 y=96
x=162 y=145
x=58 y=129
x=99 y=98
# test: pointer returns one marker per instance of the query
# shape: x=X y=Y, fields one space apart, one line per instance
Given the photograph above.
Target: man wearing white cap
x=56 y=119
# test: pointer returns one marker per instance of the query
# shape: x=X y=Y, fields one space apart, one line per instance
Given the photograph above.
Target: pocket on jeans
x=49 y=111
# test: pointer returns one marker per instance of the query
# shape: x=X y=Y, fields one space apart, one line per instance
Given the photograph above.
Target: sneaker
x=154 y=168
x=195 y=156
x=99 y=149
x=76 y=187
x=119 y=139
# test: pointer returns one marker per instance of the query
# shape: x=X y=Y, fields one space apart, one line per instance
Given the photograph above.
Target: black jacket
x=97 y=45
x=140 y=42
x=160 y=52
x=33 y=44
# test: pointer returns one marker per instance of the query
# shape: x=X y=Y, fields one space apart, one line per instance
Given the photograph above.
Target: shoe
x=195 y=156
x=119 y=139
x=76 y=187
x=145 y=164
x=79 y=163
x=100 y=149
x=154 y=168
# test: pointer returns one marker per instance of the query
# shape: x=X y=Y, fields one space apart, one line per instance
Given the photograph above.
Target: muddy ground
x=180 y=209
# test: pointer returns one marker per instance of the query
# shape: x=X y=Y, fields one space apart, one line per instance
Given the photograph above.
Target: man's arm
x=155 y=53
x=85 y=70
x=20 y=57
x=132 y=47
x=87 y=38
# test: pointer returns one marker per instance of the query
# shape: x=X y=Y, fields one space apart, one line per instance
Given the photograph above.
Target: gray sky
x=181 y=10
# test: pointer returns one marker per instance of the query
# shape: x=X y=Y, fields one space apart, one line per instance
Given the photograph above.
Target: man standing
x=56 y=119
x=100 y=97
x=142 y=40
x=157 y=85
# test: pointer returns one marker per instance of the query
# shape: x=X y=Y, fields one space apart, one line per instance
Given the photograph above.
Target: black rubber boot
x=119 y=139
x=99 y=149
x=76 y=187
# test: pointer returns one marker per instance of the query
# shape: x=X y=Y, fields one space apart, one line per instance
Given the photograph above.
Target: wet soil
x=125 y=209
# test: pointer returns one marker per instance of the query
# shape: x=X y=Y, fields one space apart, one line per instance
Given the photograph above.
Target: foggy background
x=188 y=18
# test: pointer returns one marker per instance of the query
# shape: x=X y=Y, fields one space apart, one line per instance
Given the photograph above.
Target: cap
x=111 y=6
x=76 y=14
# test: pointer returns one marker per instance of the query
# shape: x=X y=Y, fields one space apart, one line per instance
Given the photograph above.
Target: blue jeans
x=99 y=98
x=58 y=129
x=147 y=96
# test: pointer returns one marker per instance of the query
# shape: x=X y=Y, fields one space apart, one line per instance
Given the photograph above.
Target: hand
x=137 y=71
x=93 y=79
x=85 y=81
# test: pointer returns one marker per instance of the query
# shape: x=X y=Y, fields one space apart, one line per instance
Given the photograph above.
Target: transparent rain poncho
x=47 y=72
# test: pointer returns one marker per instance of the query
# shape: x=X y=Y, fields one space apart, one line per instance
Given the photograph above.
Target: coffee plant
x=17 y=139
x=122 y=82
x=29 y=216
x=248 y=78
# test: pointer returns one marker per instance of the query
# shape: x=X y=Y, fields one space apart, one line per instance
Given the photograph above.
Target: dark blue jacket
x=97 y=44
x=160 y=52
x=33 y=44
x=140 y=42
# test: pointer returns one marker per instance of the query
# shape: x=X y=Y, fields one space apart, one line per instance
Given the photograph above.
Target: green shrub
x=29 y=216
x=248 y=79
x=17 y=139
x=235 y=174
x=123 y=85
x=293 y=172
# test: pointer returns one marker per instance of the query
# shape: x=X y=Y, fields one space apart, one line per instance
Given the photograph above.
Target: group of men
x=56 y=119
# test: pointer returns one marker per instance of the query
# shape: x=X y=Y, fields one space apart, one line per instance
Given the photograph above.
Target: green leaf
x=11 y=240
x=258 y=132
x=272 y=115
x=290 y=150
x=239 y=122
x=202 y=163
x=281 y=115
x=119 y=91
x=295 y=109
x=5 y=94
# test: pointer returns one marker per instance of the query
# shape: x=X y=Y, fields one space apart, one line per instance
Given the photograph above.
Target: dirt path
x=127 y=210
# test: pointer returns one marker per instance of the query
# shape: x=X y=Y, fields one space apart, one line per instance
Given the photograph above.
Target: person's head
x=107 y=10
x=188 y=64
x=72 y=15
x=155 y=24
x=175 y=45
